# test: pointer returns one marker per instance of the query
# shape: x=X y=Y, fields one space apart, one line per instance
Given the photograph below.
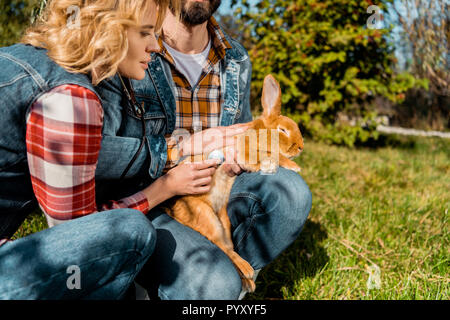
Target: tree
x=426 y=35
x=15 y=17
x=327 y=61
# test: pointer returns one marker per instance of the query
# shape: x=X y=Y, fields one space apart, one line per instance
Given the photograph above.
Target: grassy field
x=378 y=228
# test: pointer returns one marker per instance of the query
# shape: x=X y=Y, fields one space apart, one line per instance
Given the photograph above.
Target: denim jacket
x=26 y=74
x=155 y=95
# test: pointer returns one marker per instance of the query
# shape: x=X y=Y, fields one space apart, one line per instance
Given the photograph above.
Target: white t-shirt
x=190 y=65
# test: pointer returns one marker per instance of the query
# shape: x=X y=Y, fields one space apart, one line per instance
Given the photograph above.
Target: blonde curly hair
x=89 y=36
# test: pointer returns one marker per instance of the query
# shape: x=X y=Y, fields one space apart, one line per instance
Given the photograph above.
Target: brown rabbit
x=207 y=213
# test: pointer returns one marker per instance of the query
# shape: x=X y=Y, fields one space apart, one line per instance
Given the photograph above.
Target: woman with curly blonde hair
x=92 y=36
x=51 y=122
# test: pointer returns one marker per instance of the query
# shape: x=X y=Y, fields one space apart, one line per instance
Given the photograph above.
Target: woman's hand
x=184 y=179
x=191 y=178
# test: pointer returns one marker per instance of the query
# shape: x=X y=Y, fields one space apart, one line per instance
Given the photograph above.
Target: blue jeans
x=267 y=213
x=108 y=249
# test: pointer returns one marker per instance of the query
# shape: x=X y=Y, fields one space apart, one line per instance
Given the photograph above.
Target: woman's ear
x=271 y=97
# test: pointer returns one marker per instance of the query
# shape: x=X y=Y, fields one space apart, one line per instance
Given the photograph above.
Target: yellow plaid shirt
x=197 y=107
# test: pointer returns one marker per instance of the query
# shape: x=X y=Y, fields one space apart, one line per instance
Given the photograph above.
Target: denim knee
x=291 y=194
x=207 y=274
x=224 y=284
x=303 y=196
x=132 y=227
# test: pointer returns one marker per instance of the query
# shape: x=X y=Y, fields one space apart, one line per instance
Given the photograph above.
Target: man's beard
x=198 y=12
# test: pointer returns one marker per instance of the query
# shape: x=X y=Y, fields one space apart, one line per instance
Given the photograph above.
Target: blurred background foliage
x=337 y=74
x=15 y=17
x=425 y=43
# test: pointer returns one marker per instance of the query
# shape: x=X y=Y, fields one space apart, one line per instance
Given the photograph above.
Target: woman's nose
x=153 y=47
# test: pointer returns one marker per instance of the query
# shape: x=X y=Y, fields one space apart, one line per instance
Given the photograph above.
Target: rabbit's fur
x=207 y=213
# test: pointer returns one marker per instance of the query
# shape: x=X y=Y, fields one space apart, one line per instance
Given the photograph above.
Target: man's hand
x=205 y=141
x=232 y=169
x=231 y=165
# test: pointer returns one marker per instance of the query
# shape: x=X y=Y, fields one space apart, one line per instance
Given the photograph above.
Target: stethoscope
x=139 y=111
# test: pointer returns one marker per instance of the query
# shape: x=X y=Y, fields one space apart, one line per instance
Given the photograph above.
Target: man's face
x=195 y=12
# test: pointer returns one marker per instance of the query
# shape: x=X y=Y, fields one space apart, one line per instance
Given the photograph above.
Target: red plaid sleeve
x=64 y=132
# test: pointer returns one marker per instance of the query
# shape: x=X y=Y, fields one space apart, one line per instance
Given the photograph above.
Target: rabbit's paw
x=248 y=285
x=250 y=167
x=289 y=164
x=269 y=166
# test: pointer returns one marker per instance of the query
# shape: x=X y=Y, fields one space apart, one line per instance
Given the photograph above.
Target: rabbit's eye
x=282 y=130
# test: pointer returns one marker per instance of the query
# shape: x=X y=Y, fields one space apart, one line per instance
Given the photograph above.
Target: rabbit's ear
x=271 y=97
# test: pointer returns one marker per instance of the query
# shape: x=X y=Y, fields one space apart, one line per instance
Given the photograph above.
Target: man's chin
x=198 y=12
x=197 y=18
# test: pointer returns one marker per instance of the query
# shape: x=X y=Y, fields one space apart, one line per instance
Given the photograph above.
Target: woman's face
x=141 y=41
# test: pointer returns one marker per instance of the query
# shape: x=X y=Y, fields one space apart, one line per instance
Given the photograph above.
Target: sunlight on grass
x=386 y=207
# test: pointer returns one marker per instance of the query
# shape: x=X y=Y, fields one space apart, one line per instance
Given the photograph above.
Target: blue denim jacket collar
x=230 y=67
x=158 y=71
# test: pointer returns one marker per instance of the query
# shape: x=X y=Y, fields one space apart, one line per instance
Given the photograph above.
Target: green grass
x=385 y=207
x=34 y=223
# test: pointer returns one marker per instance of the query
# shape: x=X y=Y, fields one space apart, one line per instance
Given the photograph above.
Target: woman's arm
x=63 y=141
x=64 y=132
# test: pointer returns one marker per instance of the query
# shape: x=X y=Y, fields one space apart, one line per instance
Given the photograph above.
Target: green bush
x=327 y=61
x=15 y=17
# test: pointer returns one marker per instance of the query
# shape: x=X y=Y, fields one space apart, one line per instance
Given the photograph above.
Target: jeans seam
x=162 y=293
x=247 y=232
x=129 y=275
x=245 y=195
x=252 y=216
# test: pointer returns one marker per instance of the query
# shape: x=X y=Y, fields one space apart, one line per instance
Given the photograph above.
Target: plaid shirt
x=197 y=108
x=64 y=132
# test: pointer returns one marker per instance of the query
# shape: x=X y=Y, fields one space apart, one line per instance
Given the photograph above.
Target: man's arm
x=246 y=115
